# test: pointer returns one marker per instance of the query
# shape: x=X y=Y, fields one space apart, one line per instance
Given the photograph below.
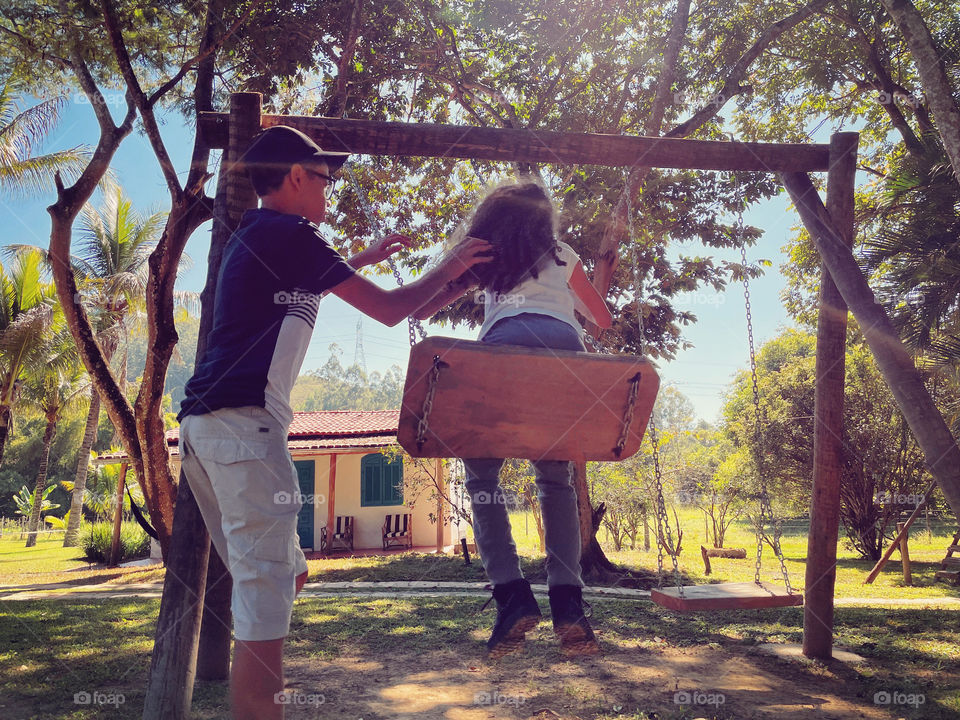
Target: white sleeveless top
x=549 y=294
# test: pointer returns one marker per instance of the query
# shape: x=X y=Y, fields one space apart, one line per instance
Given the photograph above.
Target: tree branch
x=338 y=102
x=205 y=52
x=144 y=105
x=732 y=83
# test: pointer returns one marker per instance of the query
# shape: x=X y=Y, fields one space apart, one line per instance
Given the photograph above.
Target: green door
x=305 y=478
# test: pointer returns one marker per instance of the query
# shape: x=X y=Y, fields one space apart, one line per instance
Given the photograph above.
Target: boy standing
x=236 y=413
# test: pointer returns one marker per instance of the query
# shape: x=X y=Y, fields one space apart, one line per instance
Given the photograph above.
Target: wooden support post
x=821 y=570
x=331 y=499
x=534 y=145
x=904 y=533
x=896 y=541
x=174 y=662
x=940 y=450
x=118 y=517
x=235 y=195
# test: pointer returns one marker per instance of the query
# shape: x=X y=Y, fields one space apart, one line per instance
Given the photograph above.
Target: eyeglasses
x=331 y=182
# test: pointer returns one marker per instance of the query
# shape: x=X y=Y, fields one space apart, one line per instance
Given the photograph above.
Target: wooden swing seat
x=507 y=401
x=726 y=596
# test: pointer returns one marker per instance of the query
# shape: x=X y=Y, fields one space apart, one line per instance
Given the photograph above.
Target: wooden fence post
x=821 y=571
x=906 y=526
x=904 y=532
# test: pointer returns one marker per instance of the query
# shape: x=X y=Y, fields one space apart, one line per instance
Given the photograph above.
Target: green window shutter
x=381 y=481
x=394 y=476
x=368 y=474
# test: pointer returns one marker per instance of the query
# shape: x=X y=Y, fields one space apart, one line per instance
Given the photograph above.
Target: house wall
x=368 y=521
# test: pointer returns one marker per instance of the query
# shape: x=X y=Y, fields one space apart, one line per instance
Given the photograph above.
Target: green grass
x=926 y=552
x=49 y=651
x=48 y=556
x=50 y=562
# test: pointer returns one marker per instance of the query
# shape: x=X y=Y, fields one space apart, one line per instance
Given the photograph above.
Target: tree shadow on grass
x=423 y=658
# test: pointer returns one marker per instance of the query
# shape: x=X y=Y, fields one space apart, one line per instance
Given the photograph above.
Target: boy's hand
x=468 y=252
x=383 y=248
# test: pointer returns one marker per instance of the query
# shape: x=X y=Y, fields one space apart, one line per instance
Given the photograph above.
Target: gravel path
x=413 y=588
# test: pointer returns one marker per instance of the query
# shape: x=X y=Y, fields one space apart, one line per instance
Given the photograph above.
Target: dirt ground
x=702 y=682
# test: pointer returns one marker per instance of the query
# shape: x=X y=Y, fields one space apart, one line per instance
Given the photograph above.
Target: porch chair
x=398 y=530
x=343 y=535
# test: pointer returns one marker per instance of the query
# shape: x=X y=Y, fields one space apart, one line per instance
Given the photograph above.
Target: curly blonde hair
x=518 y=219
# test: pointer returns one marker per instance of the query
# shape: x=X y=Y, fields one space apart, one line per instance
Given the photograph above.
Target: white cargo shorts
x=238 y=466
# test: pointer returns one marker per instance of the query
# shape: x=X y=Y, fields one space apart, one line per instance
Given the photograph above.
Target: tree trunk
x=187 y=629
x=646 y=529
x=5 y=416
x=928 y=60
x=173 y=663
x=83 y=465
x=41 y=482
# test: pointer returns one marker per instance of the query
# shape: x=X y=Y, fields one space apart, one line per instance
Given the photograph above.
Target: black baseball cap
x=282 y=145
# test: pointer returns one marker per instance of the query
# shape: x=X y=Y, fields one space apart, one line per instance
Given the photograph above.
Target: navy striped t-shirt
x=274 y=269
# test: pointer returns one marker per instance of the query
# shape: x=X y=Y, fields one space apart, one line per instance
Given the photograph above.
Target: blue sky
x=702 y=373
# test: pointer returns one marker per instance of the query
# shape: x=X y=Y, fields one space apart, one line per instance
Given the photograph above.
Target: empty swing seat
x=725 y=596
x=470 y=399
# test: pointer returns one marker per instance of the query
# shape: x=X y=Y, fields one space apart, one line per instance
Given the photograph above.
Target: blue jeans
x=554 y=478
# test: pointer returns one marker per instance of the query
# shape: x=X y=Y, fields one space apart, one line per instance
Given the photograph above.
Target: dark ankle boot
x=517 y=612
x=570 y=623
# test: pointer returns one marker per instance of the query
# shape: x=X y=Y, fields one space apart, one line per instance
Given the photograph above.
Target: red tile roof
x=320 y=430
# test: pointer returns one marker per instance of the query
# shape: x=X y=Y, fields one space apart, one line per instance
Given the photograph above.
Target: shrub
x=96 y=538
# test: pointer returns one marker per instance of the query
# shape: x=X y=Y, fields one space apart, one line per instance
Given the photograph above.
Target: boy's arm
x=392 y=306
x=379 y=251
x=447 y=294
x=586 y=293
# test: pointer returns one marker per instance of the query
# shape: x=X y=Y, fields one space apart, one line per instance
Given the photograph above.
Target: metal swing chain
x=663 y=520
x=766 y=510
x=413 y=325
x=423 y=425
x=628 y=414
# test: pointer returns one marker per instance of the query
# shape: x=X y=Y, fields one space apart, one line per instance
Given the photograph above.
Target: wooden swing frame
x=831 y=226
x=233 y=131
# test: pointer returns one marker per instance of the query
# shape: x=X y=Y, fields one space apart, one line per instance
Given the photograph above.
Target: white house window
x=381 y=481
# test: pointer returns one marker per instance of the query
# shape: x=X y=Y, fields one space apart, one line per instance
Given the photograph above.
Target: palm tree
x=112 y=270
x=914 y=255
x=26 y=313
x=22 y=172
x=56 y=385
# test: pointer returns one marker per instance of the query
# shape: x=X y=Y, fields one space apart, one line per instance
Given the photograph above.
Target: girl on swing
x=530 y=289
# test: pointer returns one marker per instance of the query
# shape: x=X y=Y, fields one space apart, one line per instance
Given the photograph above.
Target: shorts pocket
x=274 y=557
x=229 y=450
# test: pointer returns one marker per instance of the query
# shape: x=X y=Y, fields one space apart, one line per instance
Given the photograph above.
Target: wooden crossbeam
x=370 y=137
